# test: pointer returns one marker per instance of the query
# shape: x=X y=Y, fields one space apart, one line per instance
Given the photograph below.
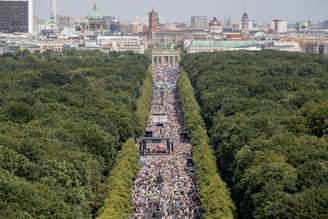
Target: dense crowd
x=164 y=184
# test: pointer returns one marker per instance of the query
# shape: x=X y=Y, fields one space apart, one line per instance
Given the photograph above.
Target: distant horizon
x=259 y=11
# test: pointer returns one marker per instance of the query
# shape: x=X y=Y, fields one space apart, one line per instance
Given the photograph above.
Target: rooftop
x=227 y=44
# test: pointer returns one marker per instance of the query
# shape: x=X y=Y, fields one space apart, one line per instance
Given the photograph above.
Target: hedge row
x=119 y=203
x=144 y=104
x=214 y=195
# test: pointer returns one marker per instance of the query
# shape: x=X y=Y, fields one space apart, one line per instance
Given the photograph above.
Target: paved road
x=164 y=188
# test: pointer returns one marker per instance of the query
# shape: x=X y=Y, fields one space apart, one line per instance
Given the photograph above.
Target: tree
x=266 y=115
x=19 y=112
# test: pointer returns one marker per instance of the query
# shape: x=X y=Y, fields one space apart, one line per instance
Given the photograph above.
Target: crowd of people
x=164 y=185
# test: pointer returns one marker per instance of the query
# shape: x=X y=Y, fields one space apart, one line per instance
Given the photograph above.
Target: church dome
x=245 y=16
x=95 y=14
x=215 y=22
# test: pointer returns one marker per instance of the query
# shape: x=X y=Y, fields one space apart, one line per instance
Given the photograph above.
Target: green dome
x=303 y=24
x=95 y=14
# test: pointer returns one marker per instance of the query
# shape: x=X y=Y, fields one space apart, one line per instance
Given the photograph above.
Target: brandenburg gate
x=168 y=57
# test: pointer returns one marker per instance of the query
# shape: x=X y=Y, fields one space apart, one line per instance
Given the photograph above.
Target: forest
x=64 y=118
x=266 y=114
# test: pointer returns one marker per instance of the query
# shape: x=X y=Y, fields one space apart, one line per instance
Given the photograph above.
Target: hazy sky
x=182 y=10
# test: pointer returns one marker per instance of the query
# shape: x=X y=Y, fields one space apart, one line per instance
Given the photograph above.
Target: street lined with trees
x=257 y=123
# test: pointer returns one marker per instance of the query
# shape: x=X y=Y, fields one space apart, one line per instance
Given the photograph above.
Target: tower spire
x=53 y=10
x=94 y=4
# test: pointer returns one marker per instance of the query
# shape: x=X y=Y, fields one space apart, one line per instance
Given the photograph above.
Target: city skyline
x=259 y=11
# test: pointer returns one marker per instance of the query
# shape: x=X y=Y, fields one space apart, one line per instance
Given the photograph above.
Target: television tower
x=53 y=10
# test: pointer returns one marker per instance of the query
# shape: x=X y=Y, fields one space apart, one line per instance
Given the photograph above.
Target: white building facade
x=134 y=44
x=279 y=26
x=199 y=23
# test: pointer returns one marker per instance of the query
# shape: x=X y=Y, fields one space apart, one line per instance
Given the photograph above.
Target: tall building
x=153 y=23
x=245 y=24
x=325 y=24
x=53 y=11
x=199 y=23
x=279 y=26
x=16 y=16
